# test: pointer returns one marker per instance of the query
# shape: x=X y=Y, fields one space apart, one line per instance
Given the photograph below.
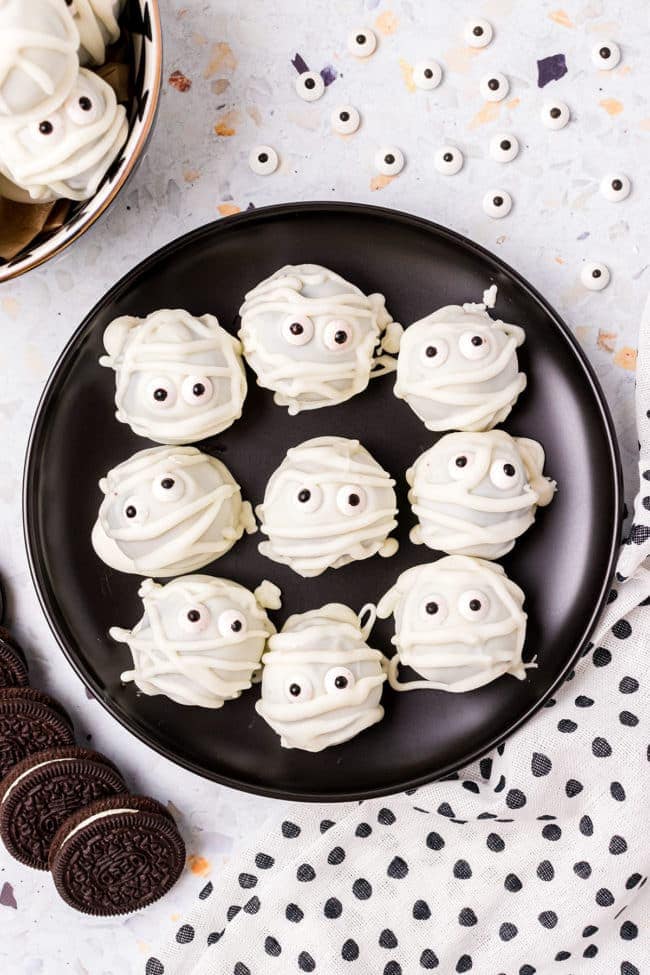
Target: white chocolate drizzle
x=98 y=27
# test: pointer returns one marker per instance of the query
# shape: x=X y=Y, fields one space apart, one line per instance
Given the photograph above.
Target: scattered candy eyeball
x=494 y=87
x=555 y=115
x=389 y=160
x=427 y=75
x=310 y=86
x=497 y=204
x=448 y=160
x=615 y=187
x=606 y=55
x=478 y=33
x=345 y=120
x=504 y=147
x=362 y=43
x=595 y=276
x=263 y=160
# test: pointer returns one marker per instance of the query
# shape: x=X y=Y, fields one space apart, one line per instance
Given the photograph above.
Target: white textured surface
x=237 y=54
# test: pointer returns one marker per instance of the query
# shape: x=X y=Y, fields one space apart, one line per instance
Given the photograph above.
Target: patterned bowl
x=141 y=19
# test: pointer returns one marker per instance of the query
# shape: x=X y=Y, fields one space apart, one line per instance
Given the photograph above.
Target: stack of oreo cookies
x=68 y=810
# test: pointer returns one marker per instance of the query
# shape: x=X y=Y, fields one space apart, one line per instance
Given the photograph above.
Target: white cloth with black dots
x=533 y=860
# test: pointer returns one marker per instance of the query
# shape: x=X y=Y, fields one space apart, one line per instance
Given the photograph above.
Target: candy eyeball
x=168 y=487
x=319 y=481
x=389 y=160
x=434 y=353
x=473 y=605
x=433 y=609
x=478 y=33
x=46 y=132
x=197 y=390
x=362 y=43
x=473 y=345
x=504 y=147
x=322 y=682
x=615 y=187
x=200 y=639
x=263 y=160
x=427 y=75
x=338 y=335
x=310 y=86
x=83 y=108
x=448 y=160
x=346 y=120
x=497 y=204
x=606 y=55
x=555 y=115
x=135 y=511
x=595 y=276
x=161 y=393
x=297 y=329
x=475 y=493
x=494 y=87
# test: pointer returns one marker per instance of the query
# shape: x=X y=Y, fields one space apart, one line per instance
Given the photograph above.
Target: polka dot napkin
x=533 y=860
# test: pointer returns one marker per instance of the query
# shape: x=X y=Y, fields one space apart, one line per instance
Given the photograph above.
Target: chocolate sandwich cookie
x=30 y=722
x=39 y=794
x=116 y=855
x=13 y=667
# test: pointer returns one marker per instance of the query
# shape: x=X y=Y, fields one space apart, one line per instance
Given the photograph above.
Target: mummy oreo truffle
x=315 y=339
x=459 y=623
x=200 y=639
x=97 y=21
x=458 y=370
x=38 y=59
x=169 y=510
x=66 y=152
x=475 y=493
x=322 y=683
x=178 y=378
x=328 y=503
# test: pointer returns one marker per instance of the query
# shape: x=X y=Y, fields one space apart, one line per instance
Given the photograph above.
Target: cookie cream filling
x=93 y=819
x=23 y=775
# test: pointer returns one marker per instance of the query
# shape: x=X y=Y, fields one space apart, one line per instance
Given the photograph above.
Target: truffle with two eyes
x=459 y=623
x=67 y=152
x=458 y=370
x=321 y=682
x=328 y=503
x=169 y=510
x=315 y=339
x=178 y=378
x=475 y=493
x=200 y=639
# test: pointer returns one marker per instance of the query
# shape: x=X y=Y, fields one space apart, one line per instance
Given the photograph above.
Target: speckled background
x=229 y=85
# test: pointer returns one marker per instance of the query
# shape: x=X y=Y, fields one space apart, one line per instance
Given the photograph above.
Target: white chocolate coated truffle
x=169 y=510
x=38 y=58
x=313 y=338
x=327 y=504
x=200 y=639
x=459 y=623
x=458 y=369
x=475 y=493
x=322 y=683
x=67 y=153
x=178 y=378
x=97 y=21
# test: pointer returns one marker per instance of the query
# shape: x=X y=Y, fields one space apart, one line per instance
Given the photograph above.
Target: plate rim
x=40 y=580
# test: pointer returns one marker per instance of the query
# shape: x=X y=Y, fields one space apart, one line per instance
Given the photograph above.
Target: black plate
x=564 y=563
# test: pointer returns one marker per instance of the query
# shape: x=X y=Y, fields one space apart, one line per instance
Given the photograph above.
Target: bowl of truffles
x=79 y=90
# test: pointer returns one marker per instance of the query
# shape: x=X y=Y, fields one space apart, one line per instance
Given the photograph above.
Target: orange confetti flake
x=219 y=86
x=387 y=23
x=179 y=81
x=221 y=59
x=380 y=182
x=606 y=341
x=560 y=260
x=407 y=75
x=198 y=865
x=583 y=332
x=191 y=175
x=489 y=113
x=611 y=105
x=513 y=103
x=228 y=209
x=561 y=17
x=459 y=59
x=626 y=358
x=226 y=125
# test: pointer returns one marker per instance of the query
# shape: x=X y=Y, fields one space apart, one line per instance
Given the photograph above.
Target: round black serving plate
x=564 y=563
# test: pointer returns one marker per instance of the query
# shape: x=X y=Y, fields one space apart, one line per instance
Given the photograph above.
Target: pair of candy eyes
x=473 y=605
x=299 y=330
x=337 y=679
x=350 y=499
x=81 y=109
x=166 y=488
x=471 y=346
x=503 y=473
x=196 y=619
x=195 y=391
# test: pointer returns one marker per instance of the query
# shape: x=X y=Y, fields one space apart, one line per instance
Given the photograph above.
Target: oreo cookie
x=39 y=794
x=116 y=855
x=30 y=722
x=13 y=669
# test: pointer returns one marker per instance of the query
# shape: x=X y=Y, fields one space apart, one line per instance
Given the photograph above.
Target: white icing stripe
x=51 y=761
x=92 y=819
